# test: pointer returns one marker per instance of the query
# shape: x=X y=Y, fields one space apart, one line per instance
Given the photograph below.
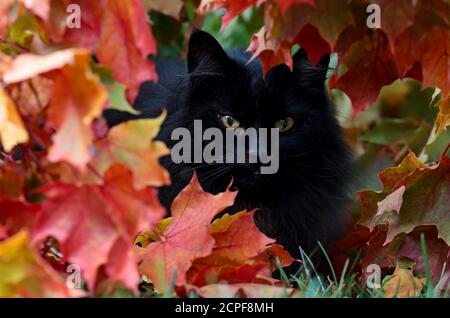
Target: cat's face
x=226 y=92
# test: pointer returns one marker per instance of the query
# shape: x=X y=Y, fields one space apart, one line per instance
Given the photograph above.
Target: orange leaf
x=26 y=274
x=126 y=40
x=131 y=144
x=186 y=238
x=77 y=98
x=12 y=130
x=96 y=225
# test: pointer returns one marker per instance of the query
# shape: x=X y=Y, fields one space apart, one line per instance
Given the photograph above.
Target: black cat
x=303 y=202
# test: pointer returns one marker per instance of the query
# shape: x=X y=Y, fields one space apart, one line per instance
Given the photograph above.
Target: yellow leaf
x=148 y=237
x=403 y=283
x=12 y=130
x=222 y=224
x=131 y=144
x=443 y=118
x=25 y=274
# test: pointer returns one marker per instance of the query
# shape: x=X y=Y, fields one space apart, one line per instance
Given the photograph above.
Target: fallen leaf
x=403 y=283
x=12 y=129
x=96 y=225
x=131 y=144
x=186 y=238
x=126 y=41
x=26 y=274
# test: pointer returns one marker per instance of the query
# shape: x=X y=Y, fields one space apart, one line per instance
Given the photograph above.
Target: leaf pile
x=74 y=192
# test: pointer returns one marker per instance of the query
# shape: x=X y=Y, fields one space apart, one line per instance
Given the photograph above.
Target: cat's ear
x=204 y=48
x=308 y=70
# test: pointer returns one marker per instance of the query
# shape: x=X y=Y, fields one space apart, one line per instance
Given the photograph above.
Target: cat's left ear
x=308 y=70
x=204 y=49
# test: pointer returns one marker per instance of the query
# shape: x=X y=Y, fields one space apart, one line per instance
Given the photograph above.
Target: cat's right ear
x=205 y=50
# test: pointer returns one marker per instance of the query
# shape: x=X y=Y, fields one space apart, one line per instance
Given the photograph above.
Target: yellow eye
x=284 y=124
x=230 y=122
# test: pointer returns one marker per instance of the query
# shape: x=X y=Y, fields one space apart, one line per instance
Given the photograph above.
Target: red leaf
x=186 y=238
x=16 y=215
x=286 y=4
x=96 y=225
x=271 y=52
x=233 y=7
x=371 y=55
x=315 y=46
x=126 y=40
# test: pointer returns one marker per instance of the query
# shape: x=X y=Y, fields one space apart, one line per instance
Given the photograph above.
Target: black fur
x=302 y=203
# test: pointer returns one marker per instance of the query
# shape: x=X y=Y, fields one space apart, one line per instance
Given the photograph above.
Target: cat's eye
x=230 y=122
x=284 y=124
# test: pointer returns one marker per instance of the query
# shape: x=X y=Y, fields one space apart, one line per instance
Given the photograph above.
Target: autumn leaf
x=443 y=118
x=270 y=51
x=186 y=238
x=12 y=129
x=233 y=7
x=26 y=274
x=26 y=66
x=96 y=225
x=413 y=195
x=77 y=97
x=409 y=245
x=72 y=115
x=403 y=283
x=240 y=254
x=126 y=40
x=16 y=215
x=131 y=144
x=370 y=55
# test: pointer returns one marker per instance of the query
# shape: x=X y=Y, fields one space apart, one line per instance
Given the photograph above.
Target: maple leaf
x=312 y=42
x=73 y=114
x=125 y=42
x=77 y=97
x=408 y=245
x=239 y=240
x=403 y=283
x=96 y=225
x=233 y=7
x=131 y=144
x=26 y=274
x=186 y=238
x=26 y=66
x=16 y=215
x=370 y=55
x=240 y=254
x=443 y=118
x=417 y=197
x=436 y=62
x=397 y=16
x=270 y=51
x=89 y=34
x=12 y=129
